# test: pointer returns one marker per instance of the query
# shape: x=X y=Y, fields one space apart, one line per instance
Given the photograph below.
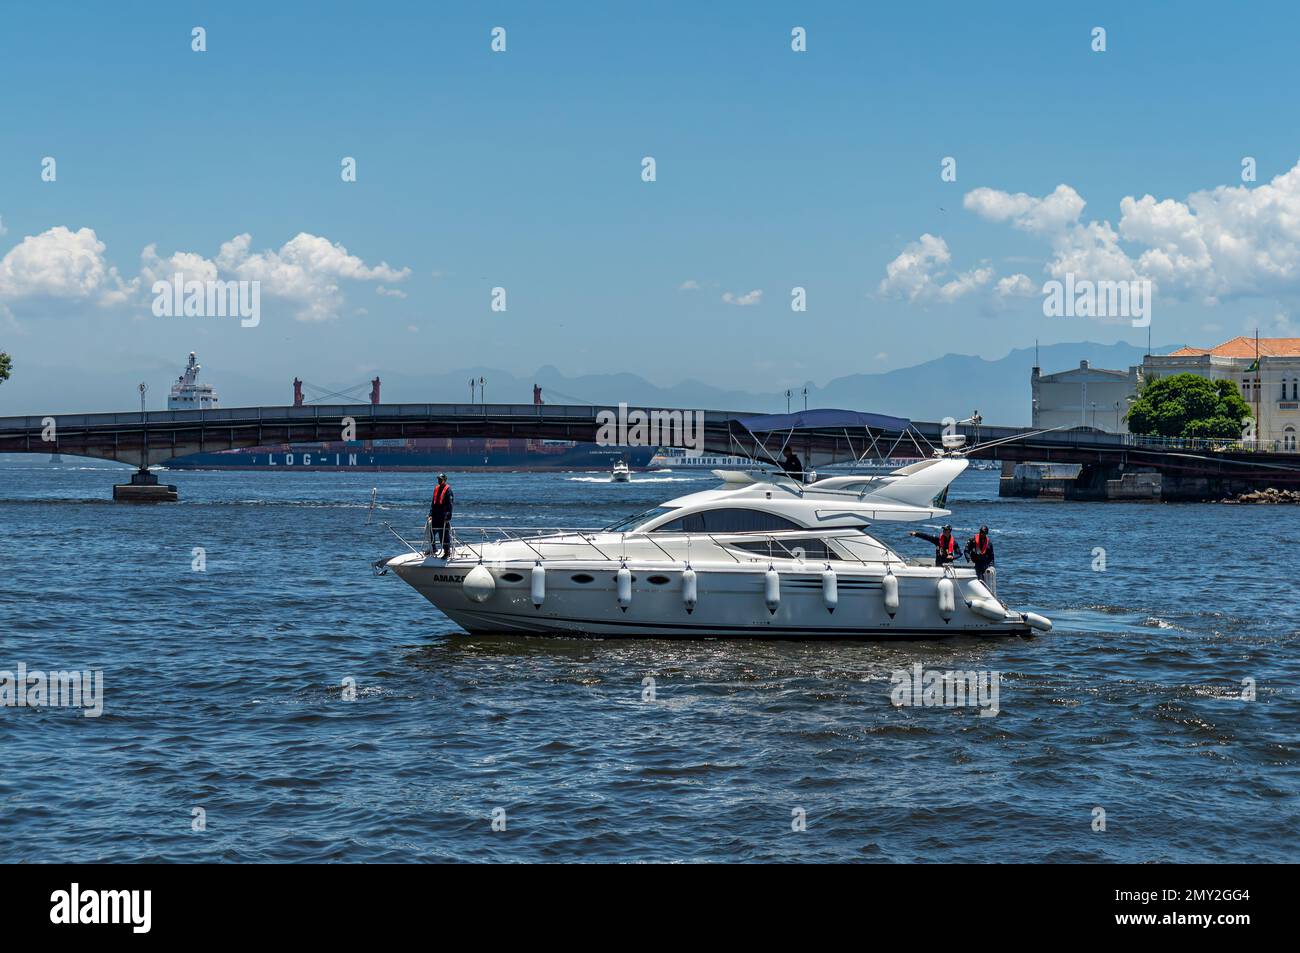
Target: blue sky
x=522 y=170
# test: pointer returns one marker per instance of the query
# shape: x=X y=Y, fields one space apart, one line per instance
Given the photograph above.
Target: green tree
x=1188 y=405
x=5 y=365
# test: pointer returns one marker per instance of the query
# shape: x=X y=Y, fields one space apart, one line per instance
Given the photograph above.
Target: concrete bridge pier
x=1086 y=482
x=1122 y=482
x=144 y=488
x=1102 y=481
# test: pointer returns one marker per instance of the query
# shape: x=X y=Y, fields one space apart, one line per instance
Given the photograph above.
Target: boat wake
x=635 y=479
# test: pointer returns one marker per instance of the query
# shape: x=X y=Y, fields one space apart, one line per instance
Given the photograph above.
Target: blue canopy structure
x=821 y=419
x=824 y=436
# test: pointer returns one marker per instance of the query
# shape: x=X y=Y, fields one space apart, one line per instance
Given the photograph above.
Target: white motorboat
x=761 y=555
x=621 y=472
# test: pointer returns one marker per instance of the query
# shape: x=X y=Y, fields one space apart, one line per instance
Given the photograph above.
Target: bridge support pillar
x=1098 y=481
x=1092 y=481
x=144 y=488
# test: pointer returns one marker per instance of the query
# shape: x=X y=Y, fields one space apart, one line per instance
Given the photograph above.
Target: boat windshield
x=633 y=521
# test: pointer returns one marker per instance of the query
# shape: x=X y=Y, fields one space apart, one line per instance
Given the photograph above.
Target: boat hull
x=417 y=455
x=731 y=603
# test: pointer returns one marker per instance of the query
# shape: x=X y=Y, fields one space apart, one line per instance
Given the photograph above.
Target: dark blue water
x=223 y=692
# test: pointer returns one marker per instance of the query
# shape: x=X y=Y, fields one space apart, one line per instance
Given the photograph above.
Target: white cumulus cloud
x=189 y=265
x=61 y=263
x=1229 y=242
x=305 y=270
x=920 y=273
x=748 y=298
x=1016 y=286
x=1048 y=215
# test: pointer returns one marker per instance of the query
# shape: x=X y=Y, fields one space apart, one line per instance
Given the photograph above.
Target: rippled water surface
x=223 y=692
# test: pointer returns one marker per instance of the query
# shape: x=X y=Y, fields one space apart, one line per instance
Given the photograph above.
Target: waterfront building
x=1265 y=370
x=1084 y=396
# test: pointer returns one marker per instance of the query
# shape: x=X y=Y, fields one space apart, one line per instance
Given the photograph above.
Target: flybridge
x=913 y=493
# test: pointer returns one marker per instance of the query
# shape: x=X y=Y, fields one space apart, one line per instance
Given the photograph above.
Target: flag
x=1254 y=367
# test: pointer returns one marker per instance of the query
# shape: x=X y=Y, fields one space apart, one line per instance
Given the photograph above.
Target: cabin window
x=731 y=520
x=812 y=549
x=625 y=525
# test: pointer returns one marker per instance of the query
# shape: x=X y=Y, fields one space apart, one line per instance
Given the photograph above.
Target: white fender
x=947 y=598
x=690 y=595
x=478 y=585
x=989 y=608
x=538 y=586
x=771 y=590
x=830 y=589
x=1039 y=622
x=991 y=580
x=889 y=586
x=623 y=579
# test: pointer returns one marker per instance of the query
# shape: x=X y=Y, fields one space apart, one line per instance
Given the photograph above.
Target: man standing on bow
x=439 y=521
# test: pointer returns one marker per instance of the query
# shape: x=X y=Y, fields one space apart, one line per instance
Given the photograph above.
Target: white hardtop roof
x=905 y=495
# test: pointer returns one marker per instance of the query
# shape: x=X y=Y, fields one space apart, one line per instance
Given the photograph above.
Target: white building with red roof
x=1265 y=370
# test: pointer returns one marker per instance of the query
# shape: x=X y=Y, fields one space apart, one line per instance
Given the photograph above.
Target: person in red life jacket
x=440 y=517
x=945 y=545
x=980 y=551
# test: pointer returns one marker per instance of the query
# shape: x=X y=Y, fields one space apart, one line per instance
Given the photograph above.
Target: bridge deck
x=158 y=436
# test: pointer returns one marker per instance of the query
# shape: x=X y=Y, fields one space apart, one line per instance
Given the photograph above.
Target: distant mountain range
x=953 y=385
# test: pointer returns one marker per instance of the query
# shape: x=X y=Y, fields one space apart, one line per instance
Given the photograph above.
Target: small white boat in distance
x=762 y=555
x=621 y=472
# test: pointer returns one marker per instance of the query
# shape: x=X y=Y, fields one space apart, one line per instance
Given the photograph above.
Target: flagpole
x=1258 y=377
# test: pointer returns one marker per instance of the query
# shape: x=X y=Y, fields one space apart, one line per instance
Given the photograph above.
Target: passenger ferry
x=678 y=458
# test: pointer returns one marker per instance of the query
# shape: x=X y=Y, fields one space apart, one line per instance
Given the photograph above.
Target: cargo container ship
x=414 y=454
x=453 y=453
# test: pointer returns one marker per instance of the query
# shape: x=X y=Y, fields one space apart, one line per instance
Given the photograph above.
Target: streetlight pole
x=787 y=400
x=144 y=430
